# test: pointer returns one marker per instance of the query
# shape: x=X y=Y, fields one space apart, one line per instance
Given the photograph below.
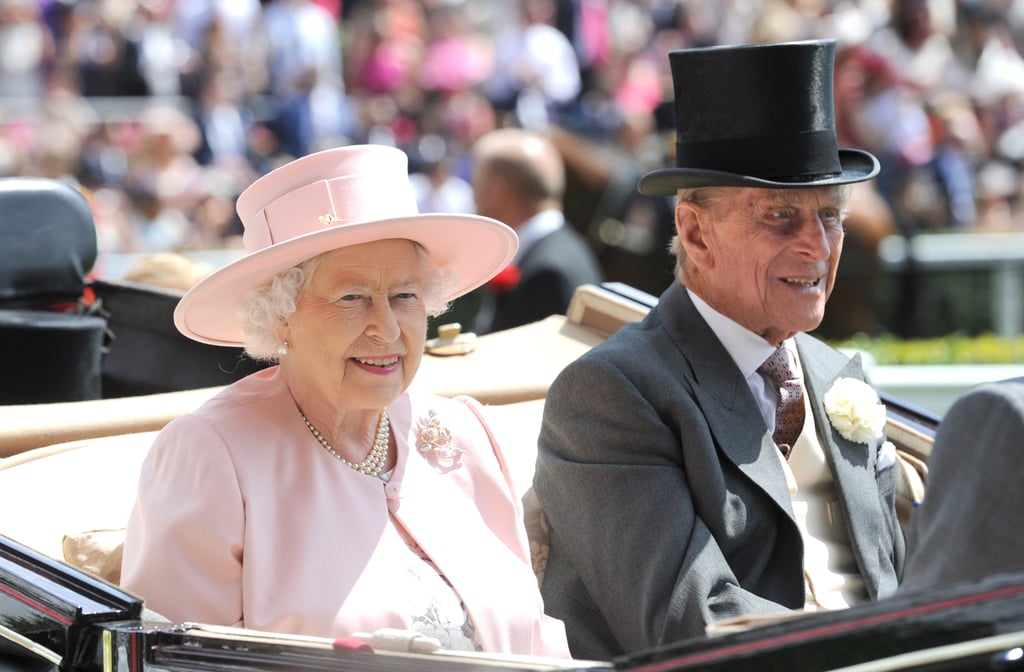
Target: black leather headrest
x=47 y=242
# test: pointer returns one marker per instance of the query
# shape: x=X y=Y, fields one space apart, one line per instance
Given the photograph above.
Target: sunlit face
x=357 y=334
x=767 y=258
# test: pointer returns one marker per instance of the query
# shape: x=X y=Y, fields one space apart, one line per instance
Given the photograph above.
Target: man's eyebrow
x=788 y=198
x=780 y=200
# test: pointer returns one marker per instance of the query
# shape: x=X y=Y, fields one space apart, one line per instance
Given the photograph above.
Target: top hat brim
x=472 y=248
x=857 y=166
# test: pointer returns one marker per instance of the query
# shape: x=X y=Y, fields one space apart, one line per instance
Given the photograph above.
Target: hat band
x=795 y=157
x=328 y=203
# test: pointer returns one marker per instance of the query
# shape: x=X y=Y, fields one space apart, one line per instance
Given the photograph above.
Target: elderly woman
x=320 y=496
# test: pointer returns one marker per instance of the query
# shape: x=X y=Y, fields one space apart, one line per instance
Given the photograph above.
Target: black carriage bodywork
x=51 y=616
x=56 y=618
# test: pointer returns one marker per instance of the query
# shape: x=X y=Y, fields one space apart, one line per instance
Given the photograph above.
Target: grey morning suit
x=667 y=505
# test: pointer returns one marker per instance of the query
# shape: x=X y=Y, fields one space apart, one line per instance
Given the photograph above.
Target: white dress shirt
x=749 y=351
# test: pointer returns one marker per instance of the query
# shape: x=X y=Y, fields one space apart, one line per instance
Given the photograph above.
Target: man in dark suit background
x=686 y=489
x=519 y=178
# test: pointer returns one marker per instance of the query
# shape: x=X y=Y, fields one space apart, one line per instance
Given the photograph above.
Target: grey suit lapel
x=852 y=464
x=723 y=395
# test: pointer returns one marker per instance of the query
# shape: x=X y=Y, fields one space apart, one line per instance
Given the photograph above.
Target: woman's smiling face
x=357 y=334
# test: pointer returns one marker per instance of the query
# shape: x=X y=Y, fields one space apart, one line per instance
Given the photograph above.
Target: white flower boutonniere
x=855 y=411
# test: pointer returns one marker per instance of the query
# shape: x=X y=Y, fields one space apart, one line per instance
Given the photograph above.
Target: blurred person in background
x=99 y=50
x=305 y=61
x=519 y=178
x=385 y=42
x=999 y=197
x=162 y=53
x=164 y=179
x=537 y=73
x=27 y=49
x=224 y=122
x=167 y=270
x=916 y=44
x=432 y=171
x=456 y=55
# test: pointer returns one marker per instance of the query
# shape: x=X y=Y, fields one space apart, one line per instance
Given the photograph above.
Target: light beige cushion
x=67 y=489
x=509 y=366
x=27 y=426
x=96 y=551
x=516 y=427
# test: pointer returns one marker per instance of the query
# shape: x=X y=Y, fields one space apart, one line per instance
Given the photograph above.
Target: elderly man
x=714 y=464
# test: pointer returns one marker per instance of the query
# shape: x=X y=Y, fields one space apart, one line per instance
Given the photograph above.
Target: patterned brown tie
x=789 y=416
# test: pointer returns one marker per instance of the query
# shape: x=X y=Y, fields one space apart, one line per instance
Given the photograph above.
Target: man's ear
x=691 y=222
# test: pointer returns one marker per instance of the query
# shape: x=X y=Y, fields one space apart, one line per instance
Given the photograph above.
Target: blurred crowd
x=161 y=111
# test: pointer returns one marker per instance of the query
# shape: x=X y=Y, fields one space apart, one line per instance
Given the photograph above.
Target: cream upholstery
x=70 y=488
x=28 y=426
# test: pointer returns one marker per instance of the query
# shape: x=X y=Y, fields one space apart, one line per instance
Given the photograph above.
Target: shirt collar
x=747 y=349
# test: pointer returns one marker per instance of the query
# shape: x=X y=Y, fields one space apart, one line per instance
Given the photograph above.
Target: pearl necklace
x=373 y=463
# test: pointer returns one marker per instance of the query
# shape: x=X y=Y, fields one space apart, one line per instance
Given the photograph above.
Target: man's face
x=767 y=258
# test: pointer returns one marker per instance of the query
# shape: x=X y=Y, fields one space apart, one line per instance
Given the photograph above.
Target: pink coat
x=243 y=519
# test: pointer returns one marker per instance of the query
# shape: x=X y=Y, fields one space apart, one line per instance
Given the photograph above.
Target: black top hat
x=757 y=115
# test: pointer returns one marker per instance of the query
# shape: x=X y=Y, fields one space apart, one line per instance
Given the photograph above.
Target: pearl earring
x=283 y=350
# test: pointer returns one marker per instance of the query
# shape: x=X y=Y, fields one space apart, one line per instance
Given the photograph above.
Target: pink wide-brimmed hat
x=327 y=200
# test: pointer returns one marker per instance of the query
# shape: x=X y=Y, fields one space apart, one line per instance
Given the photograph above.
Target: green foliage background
x=941 y=317
x=952 y=349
